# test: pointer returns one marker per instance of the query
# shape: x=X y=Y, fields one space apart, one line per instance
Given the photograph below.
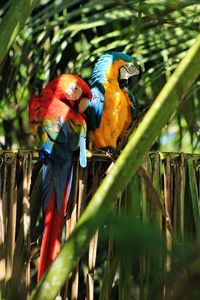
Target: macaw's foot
x=111 y=150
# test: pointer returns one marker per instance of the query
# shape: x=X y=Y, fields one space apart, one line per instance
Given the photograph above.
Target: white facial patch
x=127 y=71
x=73 y=91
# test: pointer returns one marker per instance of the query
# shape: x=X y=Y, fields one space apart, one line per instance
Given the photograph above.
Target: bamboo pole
x=156 y=198
x=194 y=196
x=70 y=224
x=81 y=190
x=27 y=170
x=156 y=182
x=12 y=213
x=168 y=200
x=2 y=239
x=94 y=241
x=179 y=195
x=91 y=265
x=4 y=197
x=74 y=219
x=182 y=195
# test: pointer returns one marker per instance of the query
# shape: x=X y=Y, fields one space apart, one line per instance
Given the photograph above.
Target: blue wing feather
x=47 y=177
x=57 y=142
x=95 y=109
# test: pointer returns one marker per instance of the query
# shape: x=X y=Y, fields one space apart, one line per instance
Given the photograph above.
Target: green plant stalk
x=13 y=22
x=108 y=278
x=125 y=278
x=194 y=195
x=121 y=173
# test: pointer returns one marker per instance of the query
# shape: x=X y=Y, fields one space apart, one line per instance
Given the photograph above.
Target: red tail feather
x=53 y=225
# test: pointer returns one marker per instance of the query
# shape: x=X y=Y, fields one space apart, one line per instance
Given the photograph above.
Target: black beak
x=133 y=80
x=123 y=84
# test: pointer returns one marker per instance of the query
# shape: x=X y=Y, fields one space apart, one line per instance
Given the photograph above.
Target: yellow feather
x=116 y=117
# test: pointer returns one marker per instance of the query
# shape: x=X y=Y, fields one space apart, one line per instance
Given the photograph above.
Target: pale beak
x=83 y=104
x=127 y=71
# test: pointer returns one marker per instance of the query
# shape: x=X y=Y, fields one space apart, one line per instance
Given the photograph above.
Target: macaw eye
x=78 y=89
x=73 y=91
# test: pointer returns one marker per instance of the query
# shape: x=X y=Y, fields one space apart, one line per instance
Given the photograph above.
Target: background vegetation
x=68 y=36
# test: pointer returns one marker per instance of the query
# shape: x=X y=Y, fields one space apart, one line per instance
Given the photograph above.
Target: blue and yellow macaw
x=113 y=108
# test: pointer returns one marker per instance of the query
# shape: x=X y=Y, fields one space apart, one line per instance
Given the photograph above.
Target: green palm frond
x=68 y=36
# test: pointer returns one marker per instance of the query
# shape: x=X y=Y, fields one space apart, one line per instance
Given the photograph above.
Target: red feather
x=53 y=224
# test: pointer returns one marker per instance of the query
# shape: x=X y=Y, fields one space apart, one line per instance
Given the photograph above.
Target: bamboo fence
x=165 y=192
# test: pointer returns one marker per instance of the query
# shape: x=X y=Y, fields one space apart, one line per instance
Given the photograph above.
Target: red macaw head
x=70 y=87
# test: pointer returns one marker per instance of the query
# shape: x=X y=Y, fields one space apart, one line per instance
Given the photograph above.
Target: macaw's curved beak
x=129 y=75
x=133 y=80
x=126 y=84
x=83 y=104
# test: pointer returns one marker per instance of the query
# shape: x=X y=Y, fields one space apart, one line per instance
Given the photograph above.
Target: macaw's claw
x=111 y=151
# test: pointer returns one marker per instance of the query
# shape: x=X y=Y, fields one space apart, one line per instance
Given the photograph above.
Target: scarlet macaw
x=59 y=128
x=113 y=108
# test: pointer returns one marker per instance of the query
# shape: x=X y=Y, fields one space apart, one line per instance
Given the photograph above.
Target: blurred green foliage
x=68 y=36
